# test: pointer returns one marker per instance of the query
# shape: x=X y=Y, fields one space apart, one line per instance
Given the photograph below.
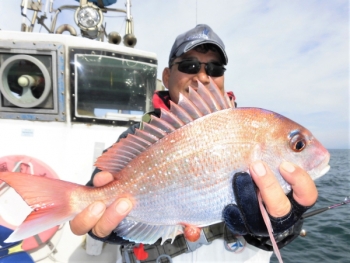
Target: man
x=198 y=55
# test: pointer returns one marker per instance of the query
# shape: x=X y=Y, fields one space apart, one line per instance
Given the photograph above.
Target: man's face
x=176 y=81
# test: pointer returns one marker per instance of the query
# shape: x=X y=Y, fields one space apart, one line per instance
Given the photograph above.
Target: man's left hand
x=285 y=210
x=275 y=200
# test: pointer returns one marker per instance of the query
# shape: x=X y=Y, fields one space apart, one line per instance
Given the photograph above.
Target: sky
x=291 y=57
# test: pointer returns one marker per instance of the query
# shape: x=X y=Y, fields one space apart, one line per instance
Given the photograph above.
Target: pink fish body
x=178 y=169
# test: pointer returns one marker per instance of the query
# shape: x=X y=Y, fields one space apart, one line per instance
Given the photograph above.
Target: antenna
x=196 y=13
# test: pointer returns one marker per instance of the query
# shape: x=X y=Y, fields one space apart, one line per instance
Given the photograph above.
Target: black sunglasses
x=213 y=69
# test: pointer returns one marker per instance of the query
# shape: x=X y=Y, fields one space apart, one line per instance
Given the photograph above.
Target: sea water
x=328 y=233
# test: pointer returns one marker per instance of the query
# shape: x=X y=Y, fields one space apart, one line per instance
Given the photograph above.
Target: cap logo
x=199 y=35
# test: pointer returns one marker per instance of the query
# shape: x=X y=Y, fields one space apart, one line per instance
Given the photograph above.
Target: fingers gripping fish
x=177 y=170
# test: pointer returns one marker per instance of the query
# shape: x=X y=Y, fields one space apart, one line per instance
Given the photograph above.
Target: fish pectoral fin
x=139 y=232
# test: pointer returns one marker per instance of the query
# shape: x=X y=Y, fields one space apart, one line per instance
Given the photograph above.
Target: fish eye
x=297 y=142
x=299 y=145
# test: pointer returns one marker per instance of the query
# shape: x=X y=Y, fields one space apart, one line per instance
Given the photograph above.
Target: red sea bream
x=177 y=170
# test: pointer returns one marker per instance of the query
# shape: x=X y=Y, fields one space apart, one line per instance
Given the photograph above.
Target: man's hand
x=285 y=211
x=276 y=202
x=97 y=217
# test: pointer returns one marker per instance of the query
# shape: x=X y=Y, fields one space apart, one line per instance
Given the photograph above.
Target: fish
x=177 y=170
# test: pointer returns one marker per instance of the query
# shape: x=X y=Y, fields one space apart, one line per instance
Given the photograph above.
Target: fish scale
x=180 y=170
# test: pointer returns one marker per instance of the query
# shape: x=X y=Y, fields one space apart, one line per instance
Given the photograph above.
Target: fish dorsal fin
x=194 y=106
x=209 y=98
x=190 y=106
x=162 y=124
x=154 y=130
x=199 y=102
x=146 y=136
x=139 y=141
x=170 y=118
x=223 y=101
x=180 y=112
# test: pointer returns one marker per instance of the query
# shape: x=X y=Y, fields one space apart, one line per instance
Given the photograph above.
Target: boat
x=66 y=94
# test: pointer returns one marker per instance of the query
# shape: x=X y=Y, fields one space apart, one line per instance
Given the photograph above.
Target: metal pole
x=35 y=14
x=83 y=2
x=24 y=6
x=128 y=26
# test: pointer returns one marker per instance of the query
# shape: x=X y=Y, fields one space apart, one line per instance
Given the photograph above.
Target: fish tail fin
x=48 y=198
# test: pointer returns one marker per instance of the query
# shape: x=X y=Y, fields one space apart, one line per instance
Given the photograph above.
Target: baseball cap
x=201 y=34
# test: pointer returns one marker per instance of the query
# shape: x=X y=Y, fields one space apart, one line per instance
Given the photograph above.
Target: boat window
x=26 y=81
x=30 y=88
x=113 y=88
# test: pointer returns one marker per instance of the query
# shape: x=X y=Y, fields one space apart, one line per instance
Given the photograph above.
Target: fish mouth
x=325 y=170
x=322 y=168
